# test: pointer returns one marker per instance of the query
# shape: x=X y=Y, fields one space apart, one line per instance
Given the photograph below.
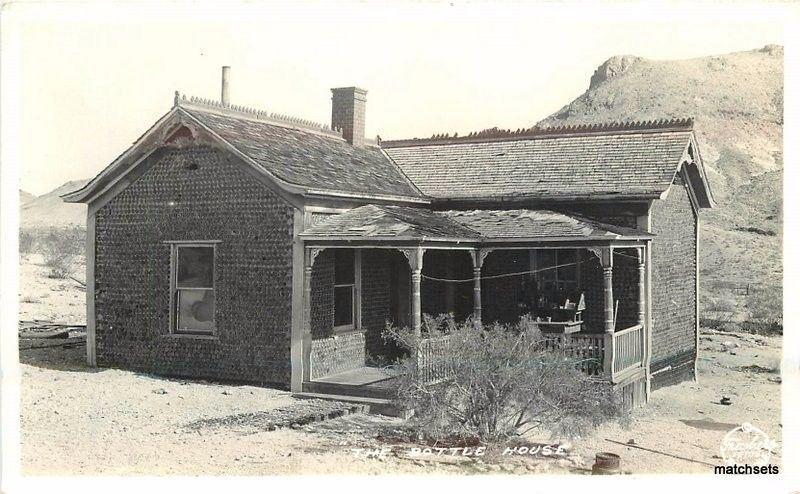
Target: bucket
x=605 y=464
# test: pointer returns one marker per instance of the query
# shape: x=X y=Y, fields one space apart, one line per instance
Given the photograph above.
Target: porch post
x=642 y=300
x=477 y=264
x=414 y=257
x=309 y=257
x=416 y=303
x=643 y=320
x=607 y=262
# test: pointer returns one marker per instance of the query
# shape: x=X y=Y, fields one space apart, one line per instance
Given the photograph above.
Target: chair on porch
x=565 y=317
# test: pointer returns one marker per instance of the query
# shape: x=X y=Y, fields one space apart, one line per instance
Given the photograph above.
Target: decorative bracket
x=312 y=253
x=479 y=256
x=415 y=257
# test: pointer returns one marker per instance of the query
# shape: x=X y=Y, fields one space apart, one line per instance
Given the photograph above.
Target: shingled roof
x=391 y=221
x=373 y=222
x=309 y=159
x=538 y=224
x=623 y=161
x=299 y=155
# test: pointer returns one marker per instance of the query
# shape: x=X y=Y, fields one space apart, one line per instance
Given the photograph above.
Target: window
x=344 y=289
x=193 y=295
x=559 y=279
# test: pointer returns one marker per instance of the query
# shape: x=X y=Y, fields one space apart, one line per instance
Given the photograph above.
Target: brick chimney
x=347 y=113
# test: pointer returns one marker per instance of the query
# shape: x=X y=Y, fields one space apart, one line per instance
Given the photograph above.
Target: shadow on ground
x=71 y=359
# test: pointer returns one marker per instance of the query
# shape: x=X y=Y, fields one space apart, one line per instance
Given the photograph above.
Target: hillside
x=737 y=103
x=49 y=210
x=25 y=197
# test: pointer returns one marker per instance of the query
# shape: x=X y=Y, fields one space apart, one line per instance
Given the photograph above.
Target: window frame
x=537 y=259
x=175 y=247
x=355 y=324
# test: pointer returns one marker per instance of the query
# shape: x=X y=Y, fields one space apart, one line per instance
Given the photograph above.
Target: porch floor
x=372 y=382
x=360 y=376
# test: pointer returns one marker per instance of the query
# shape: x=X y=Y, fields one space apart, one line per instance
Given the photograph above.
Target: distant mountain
x=49 y=210
x=25 y=197
x=737 y=103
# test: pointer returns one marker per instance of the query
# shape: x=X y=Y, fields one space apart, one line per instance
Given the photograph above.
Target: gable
x=320 y=163
x=289 y=159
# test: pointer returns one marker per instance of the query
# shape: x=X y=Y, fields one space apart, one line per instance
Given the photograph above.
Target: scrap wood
x=661 y=453
x=62 y=332
x=47 y=329
x=81 y=283
x=67 y=343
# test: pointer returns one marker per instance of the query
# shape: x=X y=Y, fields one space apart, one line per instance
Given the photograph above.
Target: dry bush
x=721 y=304
x=504 y=383
x=60 y=247
x=765 y=311
x=721 y=308
x=765 y=304
x=28 y=239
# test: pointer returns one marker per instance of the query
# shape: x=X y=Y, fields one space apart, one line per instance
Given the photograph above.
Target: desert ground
x=81 y=420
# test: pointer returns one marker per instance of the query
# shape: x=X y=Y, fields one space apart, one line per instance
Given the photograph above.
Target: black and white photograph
x=506 y=239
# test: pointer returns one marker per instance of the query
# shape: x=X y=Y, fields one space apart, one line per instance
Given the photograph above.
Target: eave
x=154 y=138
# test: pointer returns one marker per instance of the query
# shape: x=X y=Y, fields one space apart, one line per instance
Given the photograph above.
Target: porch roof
x=394 y=223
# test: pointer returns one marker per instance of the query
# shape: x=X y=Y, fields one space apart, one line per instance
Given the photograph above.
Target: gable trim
x=93 y=188
x=156 y=137
x=296 y=189
x=695 y=174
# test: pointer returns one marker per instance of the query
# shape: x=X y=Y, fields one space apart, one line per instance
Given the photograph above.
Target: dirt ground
x=79 y=420
x=56 y=300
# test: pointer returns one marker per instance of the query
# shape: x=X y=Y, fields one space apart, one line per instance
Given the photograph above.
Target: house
x=231 y=243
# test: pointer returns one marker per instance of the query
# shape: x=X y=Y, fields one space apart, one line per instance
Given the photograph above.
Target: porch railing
x=628 y=347
x=588 y=349
x=433 y=360
x=625 y=349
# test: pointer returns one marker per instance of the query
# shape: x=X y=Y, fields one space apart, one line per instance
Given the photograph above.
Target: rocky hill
x=49 y=210
x=737 y=103
x=25 y=197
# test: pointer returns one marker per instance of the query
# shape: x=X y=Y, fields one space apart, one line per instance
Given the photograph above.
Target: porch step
x=378 y=406
x=335 y=388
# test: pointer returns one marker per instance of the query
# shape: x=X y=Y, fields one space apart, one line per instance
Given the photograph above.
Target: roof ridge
x=494 y=133
x=258 y=114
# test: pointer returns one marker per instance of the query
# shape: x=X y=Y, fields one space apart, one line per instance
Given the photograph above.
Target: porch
x=586 y=286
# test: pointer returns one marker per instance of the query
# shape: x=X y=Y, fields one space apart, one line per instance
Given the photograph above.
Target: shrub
x=721 y=304
x=765 y=310
x=59 y=247
x=27 y=241
x=504 y=381
x=765 y=305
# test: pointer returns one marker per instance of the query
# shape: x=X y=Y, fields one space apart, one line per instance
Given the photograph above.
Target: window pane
x=196 y=310
x=195 y=267
x=343 y=306
x=547 y=257
x=568 y=273
x=345 y=267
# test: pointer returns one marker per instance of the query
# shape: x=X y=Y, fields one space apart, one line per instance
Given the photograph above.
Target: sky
x=94 y=77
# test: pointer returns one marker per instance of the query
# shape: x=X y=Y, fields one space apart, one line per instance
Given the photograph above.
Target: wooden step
x=378 y=406
x=364 y=391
